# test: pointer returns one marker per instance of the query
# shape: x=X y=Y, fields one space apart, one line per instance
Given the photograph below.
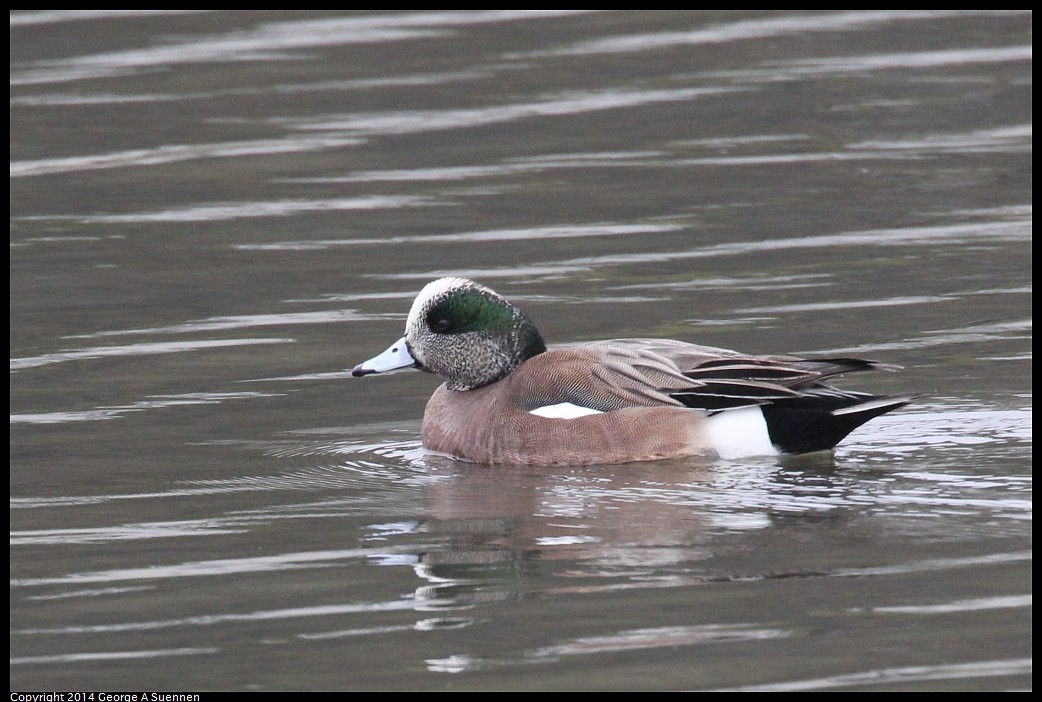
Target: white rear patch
x=563 y=410
x=739 y=433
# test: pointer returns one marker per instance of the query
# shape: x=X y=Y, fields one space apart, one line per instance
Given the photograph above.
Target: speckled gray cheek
x=472 y=360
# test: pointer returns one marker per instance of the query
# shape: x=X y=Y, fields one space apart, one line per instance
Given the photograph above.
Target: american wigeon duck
x=509 y=399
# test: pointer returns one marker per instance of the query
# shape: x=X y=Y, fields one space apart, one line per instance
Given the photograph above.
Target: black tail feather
x=820 y=419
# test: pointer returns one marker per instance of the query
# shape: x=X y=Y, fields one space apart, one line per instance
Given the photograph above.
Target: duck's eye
x=441 y=325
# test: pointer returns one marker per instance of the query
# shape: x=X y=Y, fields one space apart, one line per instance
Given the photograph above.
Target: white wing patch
x=563 y=410
x=739 y=433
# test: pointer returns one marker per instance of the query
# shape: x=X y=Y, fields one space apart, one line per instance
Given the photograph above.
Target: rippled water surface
x=215 y=214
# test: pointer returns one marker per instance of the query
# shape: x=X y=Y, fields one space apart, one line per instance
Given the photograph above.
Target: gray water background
x=215 y=214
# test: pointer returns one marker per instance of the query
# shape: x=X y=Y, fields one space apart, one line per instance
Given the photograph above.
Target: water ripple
x=507 y=167
x=905 y=676
x=325 y=86
x=269 y=41
x=127 y=532
x=269 y=208
x=955 y=606
x=26 y=19
x=975 y=334
x=100 y=656
x=570 y=103
x=154 y=402
x=915 y=59
x=226 y=618
x=240 y=322
x=998 y=231
x=623 y=641
x=751 y=29
x=142 y=349
x=174 y=153
x=210 y=568
x=494 y=235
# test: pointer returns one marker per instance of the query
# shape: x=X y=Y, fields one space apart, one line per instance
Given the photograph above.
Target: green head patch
x=470 y=311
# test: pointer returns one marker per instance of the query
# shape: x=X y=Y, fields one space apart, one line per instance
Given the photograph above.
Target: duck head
x=462 y=331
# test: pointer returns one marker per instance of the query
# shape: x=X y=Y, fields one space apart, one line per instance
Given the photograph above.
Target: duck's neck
x=500 y=357
x=525 y=343
x=529 y=341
